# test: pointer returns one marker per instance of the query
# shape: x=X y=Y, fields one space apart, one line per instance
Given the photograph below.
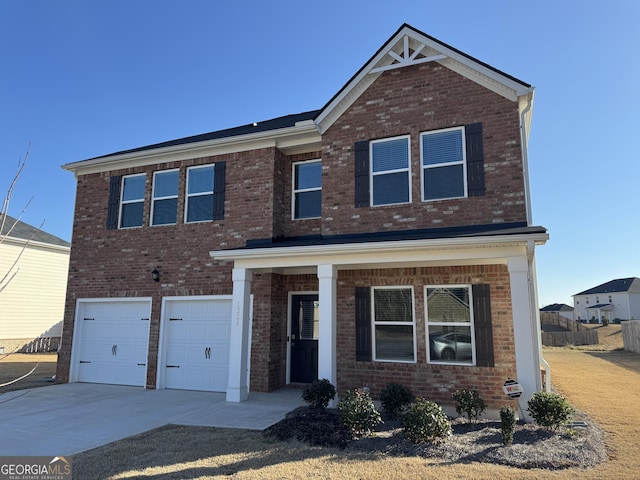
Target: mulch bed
x=533 y=446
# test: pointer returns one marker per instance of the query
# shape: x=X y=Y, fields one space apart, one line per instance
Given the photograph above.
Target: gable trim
x=386 y=58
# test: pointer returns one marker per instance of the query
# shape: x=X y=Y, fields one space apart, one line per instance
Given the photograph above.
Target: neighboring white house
x=32 y=303
x=615 y=300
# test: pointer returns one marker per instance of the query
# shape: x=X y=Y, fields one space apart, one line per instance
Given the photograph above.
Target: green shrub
x=425 y=421
x=470 y=403
x=358 y=413
x=605 y=322
x=319 y=393
x=395 y=397
x=508 y=418
x=550 y=410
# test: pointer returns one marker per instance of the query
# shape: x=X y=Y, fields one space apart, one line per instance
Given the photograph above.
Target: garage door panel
x=113 y=343
x=197 y=344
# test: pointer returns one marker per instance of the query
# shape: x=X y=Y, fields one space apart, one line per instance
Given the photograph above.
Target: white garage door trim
x=82 y=306
x=165 y=341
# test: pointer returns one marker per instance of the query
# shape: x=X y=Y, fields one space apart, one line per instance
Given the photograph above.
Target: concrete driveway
x=71 y=418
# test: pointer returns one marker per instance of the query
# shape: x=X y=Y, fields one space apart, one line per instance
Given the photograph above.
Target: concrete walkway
x=71 y=418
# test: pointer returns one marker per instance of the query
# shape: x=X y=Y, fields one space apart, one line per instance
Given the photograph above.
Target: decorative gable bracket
x=411 y=53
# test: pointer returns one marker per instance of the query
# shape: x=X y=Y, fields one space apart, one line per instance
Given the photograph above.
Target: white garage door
x=112 y=342
x=196 y=337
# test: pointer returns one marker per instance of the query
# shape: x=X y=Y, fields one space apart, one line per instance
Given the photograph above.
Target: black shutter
x=114 y=202
x=218 y=190
x=363 y=324
x=361 y=158
x=482 y=325
x=475 y=159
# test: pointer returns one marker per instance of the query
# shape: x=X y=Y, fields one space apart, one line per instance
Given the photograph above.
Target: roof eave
x=302 y=137
x=385 y=247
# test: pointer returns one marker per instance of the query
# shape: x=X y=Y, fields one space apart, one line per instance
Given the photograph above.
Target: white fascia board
x=302 y=136
x=21 y=242
x=479 y=250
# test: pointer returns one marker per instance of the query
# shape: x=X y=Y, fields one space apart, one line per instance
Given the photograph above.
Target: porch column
x=327 y=279
x=525 y=332
x=237 y=390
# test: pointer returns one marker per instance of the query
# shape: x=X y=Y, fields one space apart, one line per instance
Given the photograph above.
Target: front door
x=304 y=338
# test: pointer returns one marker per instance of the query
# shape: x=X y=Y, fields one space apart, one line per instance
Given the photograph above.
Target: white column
x=327 y=277
x=237 y=390
x=525 y=332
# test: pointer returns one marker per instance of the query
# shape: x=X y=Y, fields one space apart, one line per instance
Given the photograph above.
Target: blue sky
x=81 y=79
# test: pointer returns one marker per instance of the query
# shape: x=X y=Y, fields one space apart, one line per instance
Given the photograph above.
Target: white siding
x=33 y=302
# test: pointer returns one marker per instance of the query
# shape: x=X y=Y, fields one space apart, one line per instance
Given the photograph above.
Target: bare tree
x=7 y=226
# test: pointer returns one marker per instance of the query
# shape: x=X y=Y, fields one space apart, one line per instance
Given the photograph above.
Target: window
x=393 y=324
x=443 y=164
x=449 y=317
x=132 y=201
x=199 y=203
x=307 y=189
x=164 y=207
x=390 y=174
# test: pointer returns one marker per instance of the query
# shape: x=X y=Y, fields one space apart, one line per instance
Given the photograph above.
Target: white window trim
x=188 y=195
x=471 y=325
x=153 y=198
x=374 y=323
x=425 y=167
x=127 y=202
x=387 y=172
x=302 y=190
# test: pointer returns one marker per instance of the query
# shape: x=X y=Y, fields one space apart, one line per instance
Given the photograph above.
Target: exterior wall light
x=155 y=274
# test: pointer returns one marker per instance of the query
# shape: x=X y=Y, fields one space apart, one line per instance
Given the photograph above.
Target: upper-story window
x=390 y=171
x=164 y=206
x=443 y=164
x=307 y=189
x=199 y=203
x=132 y=201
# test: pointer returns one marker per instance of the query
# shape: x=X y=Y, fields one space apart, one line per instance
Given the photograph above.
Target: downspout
x=524 y=140
x=535 y=315
x=533 y=281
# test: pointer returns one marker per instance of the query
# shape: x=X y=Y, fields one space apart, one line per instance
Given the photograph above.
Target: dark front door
x=304 y=338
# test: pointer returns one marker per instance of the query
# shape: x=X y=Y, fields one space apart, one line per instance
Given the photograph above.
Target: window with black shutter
x=114 y=202
x=363 y=324
x=459 y=324
x=219 y=185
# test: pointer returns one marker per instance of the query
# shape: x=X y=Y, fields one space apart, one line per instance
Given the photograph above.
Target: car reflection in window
x=450 y=346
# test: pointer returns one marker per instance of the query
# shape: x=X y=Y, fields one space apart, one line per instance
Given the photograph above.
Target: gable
x=409 y=47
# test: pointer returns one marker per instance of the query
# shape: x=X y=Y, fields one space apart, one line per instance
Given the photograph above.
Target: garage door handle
x=114 y=350
x=207 y=352
x=173 y=366
x=142 y=364
x=85 y=361
x=175 y=319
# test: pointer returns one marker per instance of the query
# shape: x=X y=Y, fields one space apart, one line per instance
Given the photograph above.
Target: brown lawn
x=16 y=365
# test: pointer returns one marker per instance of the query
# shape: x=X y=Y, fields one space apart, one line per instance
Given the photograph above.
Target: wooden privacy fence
x=574 y=333
x=631 y=335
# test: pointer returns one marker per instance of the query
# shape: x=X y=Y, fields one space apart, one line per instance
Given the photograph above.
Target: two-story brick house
x=385 y=237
